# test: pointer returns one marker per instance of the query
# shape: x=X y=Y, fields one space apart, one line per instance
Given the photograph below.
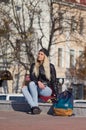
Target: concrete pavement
x=14 y=120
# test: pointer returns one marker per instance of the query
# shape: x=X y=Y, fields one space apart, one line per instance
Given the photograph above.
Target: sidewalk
x=12 y=120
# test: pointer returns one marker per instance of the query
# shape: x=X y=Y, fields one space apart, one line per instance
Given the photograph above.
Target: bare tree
x=80 y=68
x=17 y=34
x=18 y=29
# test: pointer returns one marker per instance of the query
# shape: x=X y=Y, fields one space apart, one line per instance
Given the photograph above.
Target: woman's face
x=41 y=56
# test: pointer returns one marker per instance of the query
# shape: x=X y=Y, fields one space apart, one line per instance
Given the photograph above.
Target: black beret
x=45 y=51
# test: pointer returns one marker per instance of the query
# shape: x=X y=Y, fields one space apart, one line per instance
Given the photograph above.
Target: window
x=17 y=98
x=59 y=57
x=17 y=54
x=74 y=24
x=2 y=97
x=5 y=1
x=72 y=60
x=81 y=26
x=80 y=53
x=60 y=22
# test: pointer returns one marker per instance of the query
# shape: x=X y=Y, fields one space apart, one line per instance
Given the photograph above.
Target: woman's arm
x=53 y=79
x=32 y=75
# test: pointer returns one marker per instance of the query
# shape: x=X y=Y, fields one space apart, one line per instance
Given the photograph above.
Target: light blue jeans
x=32 y=91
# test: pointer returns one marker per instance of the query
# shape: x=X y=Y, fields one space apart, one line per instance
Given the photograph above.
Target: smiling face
x=41 y=56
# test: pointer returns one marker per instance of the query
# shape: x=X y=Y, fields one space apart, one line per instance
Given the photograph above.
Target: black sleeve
x=53 y=79
x=32 y=75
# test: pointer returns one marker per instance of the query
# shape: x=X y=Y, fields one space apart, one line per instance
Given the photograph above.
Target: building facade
x=69 y=38
x=70 y=42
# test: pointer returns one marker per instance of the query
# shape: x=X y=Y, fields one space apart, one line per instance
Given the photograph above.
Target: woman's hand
x=41 y=85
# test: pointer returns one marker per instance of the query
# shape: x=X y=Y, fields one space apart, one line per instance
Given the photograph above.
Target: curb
x=79 y=109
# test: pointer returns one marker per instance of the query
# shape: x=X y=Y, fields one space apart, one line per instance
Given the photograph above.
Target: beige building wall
x=66 y=41
x=69 y=40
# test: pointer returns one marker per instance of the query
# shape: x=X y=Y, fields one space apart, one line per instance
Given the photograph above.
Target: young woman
x=43 y=77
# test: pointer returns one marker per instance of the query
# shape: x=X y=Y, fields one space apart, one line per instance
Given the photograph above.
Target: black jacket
x=52 y=83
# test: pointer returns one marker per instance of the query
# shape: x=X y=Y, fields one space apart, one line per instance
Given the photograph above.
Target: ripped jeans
x=32 y=91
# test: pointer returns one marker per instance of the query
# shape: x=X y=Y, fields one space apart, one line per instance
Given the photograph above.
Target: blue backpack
x=64 y=104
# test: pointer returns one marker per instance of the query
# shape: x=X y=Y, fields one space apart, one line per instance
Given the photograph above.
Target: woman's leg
x=45 y=92
x=31 y=95
x=34 y=92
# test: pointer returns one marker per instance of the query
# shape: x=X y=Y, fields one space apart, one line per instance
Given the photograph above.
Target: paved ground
x=12 y=120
